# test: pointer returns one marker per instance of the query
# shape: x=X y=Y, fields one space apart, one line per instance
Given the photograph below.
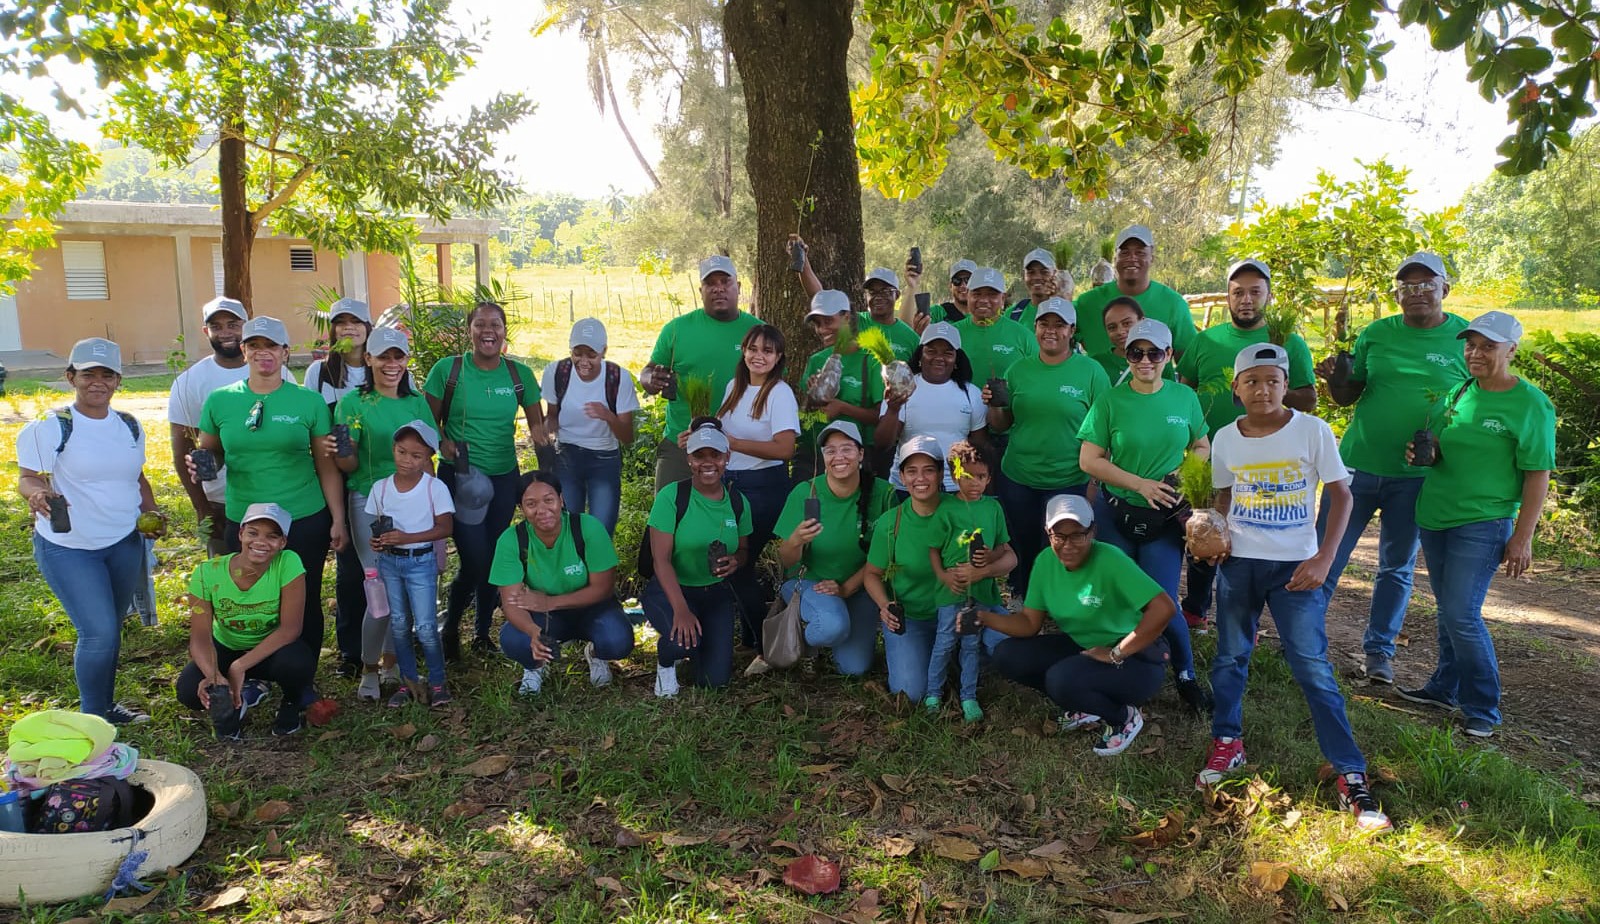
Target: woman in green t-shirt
x=1110 y=656
x=860 y=378
x=1478 y=509
x=1133 y=440
x=900 y=577
x=698 y=535
x=244 y=626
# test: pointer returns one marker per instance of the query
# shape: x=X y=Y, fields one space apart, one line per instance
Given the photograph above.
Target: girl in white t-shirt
x=589 y=407
x=945 y=404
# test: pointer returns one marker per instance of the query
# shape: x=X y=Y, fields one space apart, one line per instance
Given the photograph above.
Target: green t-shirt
x=958 y=519
x=272 y=462
x=483 y=413
x=913 y=582
x=943 y=311
x=372 y=419
x=993 y=349
x=700 y=348
x=836 y=554
x=555 y=569
x=705 y=521
x=1158 y=302
x=1145 y=435
x=860 y=384
x=1048 y=405
x=1098 y=604
x=1208 y=364
x=1023 y=312
x=903 y=338
x=1406 y=370
x=1491 y=439
x=242 y=618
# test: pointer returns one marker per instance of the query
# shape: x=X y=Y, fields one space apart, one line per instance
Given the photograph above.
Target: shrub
x=1568 y=370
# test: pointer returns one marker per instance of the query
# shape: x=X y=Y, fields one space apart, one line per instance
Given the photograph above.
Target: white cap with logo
x=708 y=436
x=1153 y=332
x=920 y=445
x=940 y=330
x=1135 y=233
x=963 y=265
x=1041 y=256
x=588 y=332
x=1068 y=507
x=827 y=303
x=222 y=303
x=717 y=263
x=384 y=339
x=353 y=307
x=884 y=275
x=267 y=511
x=267 y=328
x=987 y=277
x=1431 y=262
x=1496 y=325
x=1059 y=307
x=96 y=353
x=1243 y=265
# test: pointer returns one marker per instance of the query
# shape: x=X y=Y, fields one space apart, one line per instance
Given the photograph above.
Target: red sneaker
x=1197 y=624
x=1226 y=754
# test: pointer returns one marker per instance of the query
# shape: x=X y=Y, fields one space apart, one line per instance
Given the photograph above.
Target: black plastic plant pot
x=797 y=257
x=1344 y=365
x=924 y=303
x=715 y=553
x=974 y=547
x=383 y=524
x=915 y=259
x=967 y=620
x=999 y=392
x=60 y=519
x=899 y=613
x=224 y=715
x=1424 y=448
x=813 y=509
x=205 y=464
x=462 y=461
x=669 y=389
x=344 y=447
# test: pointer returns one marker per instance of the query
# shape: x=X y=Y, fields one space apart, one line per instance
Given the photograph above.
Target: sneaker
x=1072 y=721
x=122 y=714
x=438 y=696
x=667 y=681
x=1226 y=754
x=288 y=721
x=251 y=695
x=1198 y=624
x=931 y=705
x=1426 y=697
x=971 y=711
x=1479 y=728
x=1117 y=740
x=599 y=670
x=452 y=644
x=532 y=682
x=757 y=667
x=1194 y=695
x=1380 y=669
x=482 y=644
x=349 y=668
x=389 y=674
x=400 y=699
x=370 y=687
x=1356 y=798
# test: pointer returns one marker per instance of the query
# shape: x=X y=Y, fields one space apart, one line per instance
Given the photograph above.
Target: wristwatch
x=1116 y=654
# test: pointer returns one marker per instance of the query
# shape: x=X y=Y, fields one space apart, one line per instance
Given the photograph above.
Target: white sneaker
x=532 y=682
x=666 y=681
x=599 y=670
x=1072 y=721
x=757 y=667
x=1117 y=740
x=389 y=675
x=369 y=688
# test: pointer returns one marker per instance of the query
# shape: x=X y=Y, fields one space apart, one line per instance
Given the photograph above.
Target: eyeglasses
x=1077 y=538
x=252 y=421
x=833 y=452
x=1402 y=289
x=1153 y=355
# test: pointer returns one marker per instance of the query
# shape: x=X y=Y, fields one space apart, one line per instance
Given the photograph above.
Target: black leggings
x=475 y=553
x=309 y=538
x=1056 y=666
x=290 y=667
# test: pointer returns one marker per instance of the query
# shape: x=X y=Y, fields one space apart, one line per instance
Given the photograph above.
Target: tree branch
x=284 y=195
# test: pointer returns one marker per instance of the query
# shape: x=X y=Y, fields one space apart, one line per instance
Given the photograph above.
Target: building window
x=302 y=259
x=85 y=265
x=216 y=270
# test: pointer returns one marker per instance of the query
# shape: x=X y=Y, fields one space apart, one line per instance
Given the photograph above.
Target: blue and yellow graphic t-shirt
x=1275 y=481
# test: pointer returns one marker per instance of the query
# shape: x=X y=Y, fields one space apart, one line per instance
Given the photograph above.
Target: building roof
x=94 y=216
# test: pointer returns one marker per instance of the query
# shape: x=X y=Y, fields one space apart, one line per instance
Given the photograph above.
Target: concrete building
x=137 y=273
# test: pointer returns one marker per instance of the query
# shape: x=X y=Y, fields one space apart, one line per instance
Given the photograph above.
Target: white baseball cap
x=886 y=276
x=987 y=277
x=717 y=263
x=1261 y=354
x=920 y=445
x=1496 y=325
x=1068 y=507
x=962 y=266
x=266 y=327
x=222 y=303
x=1428 y=261
x=267 y=511
x=588 y=332
x=1135 y=233
x=940 y=330
x=706 y=437
x=1243 y=265
x=1040 y=255
x=1152 y=331
x=828 y=303
x=847 y=427
x=96 y=352
x=423 y=430
x=353 y=307
x=1059 y=307
x=384 y=339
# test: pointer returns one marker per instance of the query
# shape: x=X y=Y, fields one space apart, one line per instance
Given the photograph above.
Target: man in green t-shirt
x=1404 y=366
x=1043 y=280
x=951 y=311
x=883 y=289
x=991 y=340
x=1135 y=254
x=700 y=347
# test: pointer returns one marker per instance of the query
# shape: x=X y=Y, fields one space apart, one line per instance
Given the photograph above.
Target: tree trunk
x=802 y=152
x=238 y=231
x=725 y=171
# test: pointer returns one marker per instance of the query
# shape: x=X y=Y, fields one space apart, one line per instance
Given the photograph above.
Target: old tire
x=62 y=867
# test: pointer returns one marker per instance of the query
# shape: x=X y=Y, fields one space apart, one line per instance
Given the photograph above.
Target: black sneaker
x=452 y=645
x=483 y=644
x=288 y=721
x=119 y=714
x=251 y=695
x=1479 y=728
x=1426 y=697
x=1194 y=695
x=349 y=668
x=1357 y=799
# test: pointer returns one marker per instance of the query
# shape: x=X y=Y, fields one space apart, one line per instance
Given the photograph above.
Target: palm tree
x=592 y=29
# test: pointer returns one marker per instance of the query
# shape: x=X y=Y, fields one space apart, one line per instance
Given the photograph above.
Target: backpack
x=99 y=803
x=564 y=378
x=64 y=418
x=574 y=526
x=455 y=378
x=646 y=562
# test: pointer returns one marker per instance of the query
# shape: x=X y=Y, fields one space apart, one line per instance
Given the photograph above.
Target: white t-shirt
x=413 y=510
x=782 y=413
x=354 y=377
x=578 y=428
x=946 y=412
x=189 y=392
x=98 y=474
x=1275 y=480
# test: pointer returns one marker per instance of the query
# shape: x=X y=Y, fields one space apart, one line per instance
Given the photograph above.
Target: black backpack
x=646 y=562
x=99 y=803
x=455 y=377
x=563 y=378
x=574 y=526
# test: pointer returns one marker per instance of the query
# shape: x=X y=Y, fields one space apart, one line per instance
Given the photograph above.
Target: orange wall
x=383 y=282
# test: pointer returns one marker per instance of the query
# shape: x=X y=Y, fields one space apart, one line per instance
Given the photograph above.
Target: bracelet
x=1116 y=654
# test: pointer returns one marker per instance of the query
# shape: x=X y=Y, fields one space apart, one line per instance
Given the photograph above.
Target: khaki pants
x=672 y=463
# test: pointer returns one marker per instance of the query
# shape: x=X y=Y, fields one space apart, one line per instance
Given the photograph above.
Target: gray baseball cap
x=847 y=427
x=96 y=352
x=1068 y=507
x=706 y=438
x=1040 y=255
x=829 y=302
x=353 y=307
x=384 y=339
x=884 y=275
x=423 y=430
x=987 y=277
x=588 y=332
x=962 y=266
x=222 y=303
x=1242 y=265
x=1428 y=261
x=921 y=445
x=1261 y=354
x=1135 y=233
x=267 y=511
x=1152 y=331
x=1059 y=307
x=1496 y=325
x=473 y=492
x=717 y=263
x=941 y=330
x=267 y=327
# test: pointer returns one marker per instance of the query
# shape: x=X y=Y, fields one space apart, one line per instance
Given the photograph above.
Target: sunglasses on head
x=1153 y=355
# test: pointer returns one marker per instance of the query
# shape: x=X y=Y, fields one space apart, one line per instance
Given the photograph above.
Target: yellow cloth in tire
x=49 y=745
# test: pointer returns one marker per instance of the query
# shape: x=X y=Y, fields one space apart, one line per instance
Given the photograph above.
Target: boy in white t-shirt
x=422 y=514
x=1266 y=466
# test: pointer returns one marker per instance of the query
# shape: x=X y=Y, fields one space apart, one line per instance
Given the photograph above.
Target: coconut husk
x=898 y=382
x=1207 y=534
x=824 y=386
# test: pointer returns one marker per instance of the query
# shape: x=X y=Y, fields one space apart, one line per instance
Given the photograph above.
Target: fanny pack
x=1147 y=524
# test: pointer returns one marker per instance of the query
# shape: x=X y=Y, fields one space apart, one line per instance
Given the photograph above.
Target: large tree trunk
x=791 y=59
x=238 y=231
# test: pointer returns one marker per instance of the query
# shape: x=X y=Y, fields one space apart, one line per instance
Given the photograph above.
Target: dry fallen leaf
x=272 y=847
x=683 y=840
x=627 y=837
x=1053 y=849
x=955 y=848
x=272 y=811
x=608 y=884
x=232 y=895
x=131 y=903
x=896 y=782
x=818 y=769
x=1334 y=900
x=1166 y=832
x=865 y=909
x=488 y=766
x=812 y=875
x=1025 y=867
x=403 y=731
x=790 y=846
x=1123 y=917
x=428 y=743
x=1270 y=876
x=898 y=847
x=462 y=810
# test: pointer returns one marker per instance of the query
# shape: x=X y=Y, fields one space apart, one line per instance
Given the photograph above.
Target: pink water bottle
x=377 y=596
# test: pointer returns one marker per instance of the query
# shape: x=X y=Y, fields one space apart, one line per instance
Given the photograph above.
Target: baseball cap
x=987 y=277
x=423 y=430
x=267 y=511
x=921 y=445
x=829 y=302
x=1496 y=325
x=1261 y=354
x=707 y=438
x=588 y=332
x=1428 y=261
x=263 y=326
x=962 y=266
x=1153 y=331
x=716 y=263
x=222 y=303
x=356 y=309
x=384 y=339
x=847 y=427
x=1059 y=307
x=96 y=352
x=884 y=275
x=1040 y=255
x=1068 y=507
x=940 y=330
x=473 y=492
x=1256 y=265
x=1135 y=233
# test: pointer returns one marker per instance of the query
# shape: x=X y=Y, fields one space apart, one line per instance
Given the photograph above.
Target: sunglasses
x=252 y=421
x=1153 y=355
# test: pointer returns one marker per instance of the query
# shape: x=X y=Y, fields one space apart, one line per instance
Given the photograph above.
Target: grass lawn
x=594 y=805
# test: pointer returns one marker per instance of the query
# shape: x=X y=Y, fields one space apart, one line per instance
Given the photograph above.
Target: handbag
x=1147 y=524
x=783 y=632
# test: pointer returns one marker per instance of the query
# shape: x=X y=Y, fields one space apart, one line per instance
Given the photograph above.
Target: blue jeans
x=591 y=482
x=95 y=587
x=1162 y=559
x=908 y=655
x=1024 y=509
x=475 y=553
x=848 y=625
x=413 y=588
x=1397 y=551
x=714 y=606
x=1244 y=586
x=946 y=642
x=603 y=624
x=1462 y=561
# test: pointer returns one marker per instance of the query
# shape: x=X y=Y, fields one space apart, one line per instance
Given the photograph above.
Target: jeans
x=764 y=490
x=908 y=655
x=1462 y=561
x=1056 y=666
x=591 y=482
x=412 y=583
x=602 y=624
x=848 y=625
x=1397 y=551
x=309 y=538
x=1024 y=509
x=1244 y=586
x=713 y=653
x=361 y=638
x=475 y=553
x=95 y=587
x=1162 y=559
x=946 y=642
x=290 y=667
x=1197 y=590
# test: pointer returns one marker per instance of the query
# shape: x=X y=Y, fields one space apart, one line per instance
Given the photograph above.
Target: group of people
x=998 y=469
